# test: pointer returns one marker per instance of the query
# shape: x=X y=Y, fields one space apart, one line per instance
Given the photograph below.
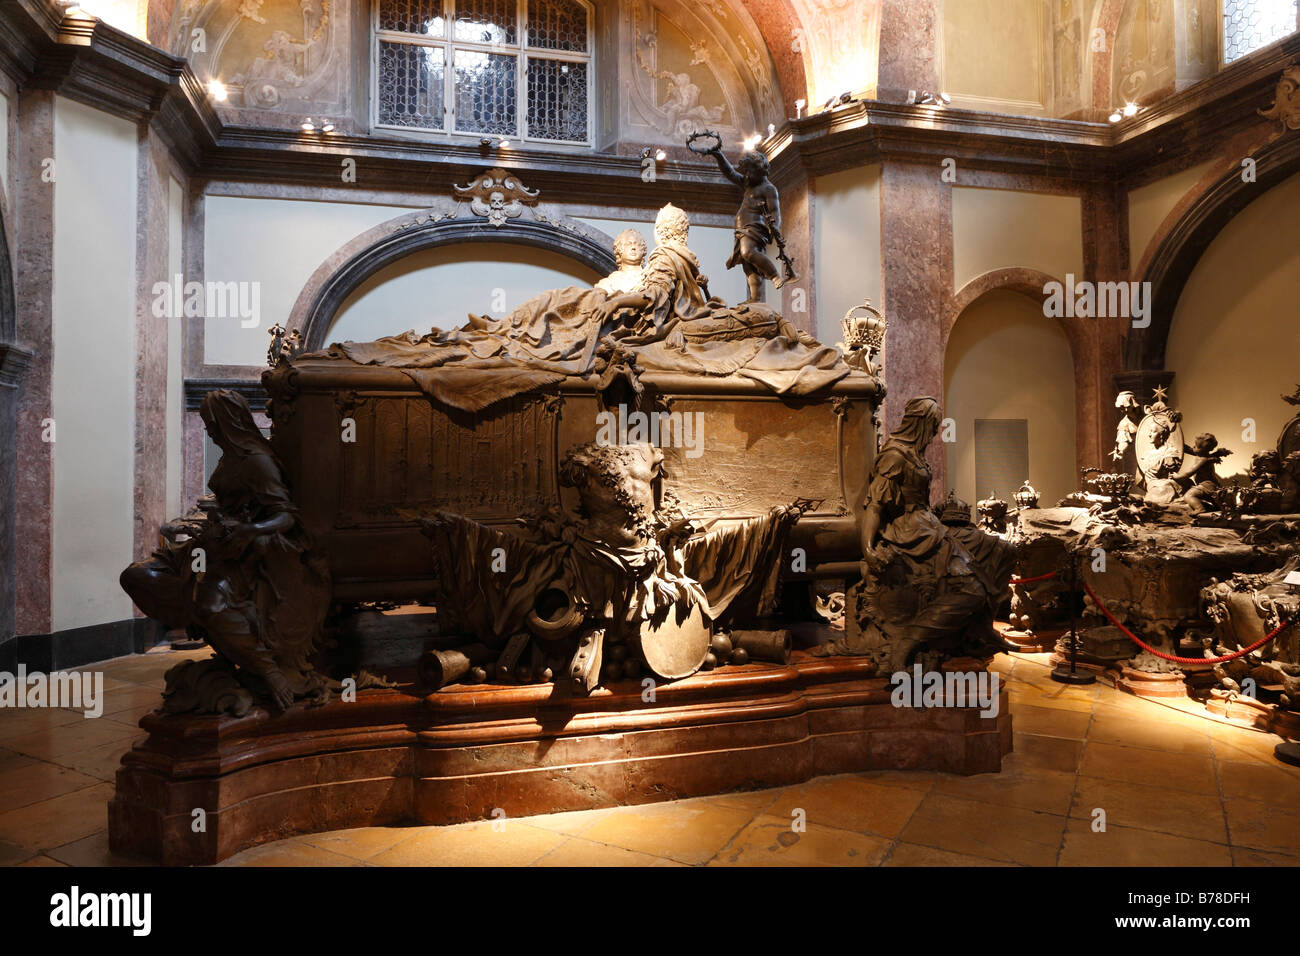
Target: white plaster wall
x=175 y=342
x=1235 y=338
x=712 y=246
x=993 y=57
x=93 y=308
x=1005 y=359
x=277 y=243
x=438 y=287
x=1002 y=229
x=846 y=249
x=1149 y=205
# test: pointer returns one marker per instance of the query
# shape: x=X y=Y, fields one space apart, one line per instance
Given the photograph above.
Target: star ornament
x=1159 y=393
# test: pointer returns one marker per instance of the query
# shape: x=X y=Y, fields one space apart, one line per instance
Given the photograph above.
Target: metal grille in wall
x=1001 y=456
x=1251 y=24
x=511 y=69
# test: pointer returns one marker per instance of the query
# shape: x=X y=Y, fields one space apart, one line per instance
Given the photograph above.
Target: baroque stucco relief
x=285 y=58
x=691 y=67
x=1144 y=52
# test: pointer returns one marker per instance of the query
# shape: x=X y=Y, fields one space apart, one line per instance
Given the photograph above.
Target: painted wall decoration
x=285 y=59
x=1143 y=65
x=692 y=66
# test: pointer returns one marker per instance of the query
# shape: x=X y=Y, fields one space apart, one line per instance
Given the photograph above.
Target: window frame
x=1223 y=37
x=521 y=50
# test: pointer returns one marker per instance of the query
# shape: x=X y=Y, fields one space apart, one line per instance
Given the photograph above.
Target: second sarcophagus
x=366 y=451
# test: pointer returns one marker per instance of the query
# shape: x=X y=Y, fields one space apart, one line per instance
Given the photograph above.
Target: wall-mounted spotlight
x=928 y=98
x=1127 y=111
x=217 y=90
x=307 y=126
x=798 y=108
x=659 y=154
x=840 y=100
x=750 y=141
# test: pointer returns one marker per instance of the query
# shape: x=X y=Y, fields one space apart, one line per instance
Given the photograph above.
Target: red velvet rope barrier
x=1041 y=577
x=1170 y=657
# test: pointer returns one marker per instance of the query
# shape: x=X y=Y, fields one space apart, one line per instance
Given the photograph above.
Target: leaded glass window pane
x=410 y=84
x=487 y=21
x=557 y=100
x=419 y=17
x=557 y=25
x=1251 y=24
x=486 y=100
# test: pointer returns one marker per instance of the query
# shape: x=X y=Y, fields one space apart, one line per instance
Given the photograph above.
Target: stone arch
x=1075 y=436
x=1029 y=283
x=1189 y=230
x=8 y=305
x=339 y=275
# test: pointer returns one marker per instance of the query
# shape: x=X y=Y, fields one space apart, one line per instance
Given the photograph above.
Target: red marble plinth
x=1029 y=642
x=394 y=757
x=1244 y=710
x=1147 y=684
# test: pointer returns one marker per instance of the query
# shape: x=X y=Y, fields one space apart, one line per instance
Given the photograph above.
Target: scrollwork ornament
x=1286 y=101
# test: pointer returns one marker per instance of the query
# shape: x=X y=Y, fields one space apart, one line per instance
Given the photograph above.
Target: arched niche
x=8 y=307
x=1233 y=338
x=437 y=287
x=1005 y=360
x=339 y=276
x=1201 y=219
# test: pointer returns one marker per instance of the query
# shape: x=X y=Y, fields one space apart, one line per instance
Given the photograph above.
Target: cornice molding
x=112 y=70
x=250 y=388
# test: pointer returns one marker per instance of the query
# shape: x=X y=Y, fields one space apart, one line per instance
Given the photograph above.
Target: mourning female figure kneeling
x=242 y=577
x=929 y=586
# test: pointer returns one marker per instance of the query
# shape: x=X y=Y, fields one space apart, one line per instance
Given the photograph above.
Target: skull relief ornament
x=496 y=195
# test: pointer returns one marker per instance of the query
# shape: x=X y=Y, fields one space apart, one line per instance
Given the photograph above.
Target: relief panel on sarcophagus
x=411 y=455
x=746 y=456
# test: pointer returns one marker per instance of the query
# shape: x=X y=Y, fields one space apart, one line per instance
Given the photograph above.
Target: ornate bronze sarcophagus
x=366 y=451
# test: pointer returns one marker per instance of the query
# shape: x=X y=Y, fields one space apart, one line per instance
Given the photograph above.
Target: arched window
x=1251 y=24
x=510 y=69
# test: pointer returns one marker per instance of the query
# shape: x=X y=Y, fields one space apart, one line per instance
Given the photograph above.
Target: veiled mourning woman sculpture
x=245 y=580
x=927 y=585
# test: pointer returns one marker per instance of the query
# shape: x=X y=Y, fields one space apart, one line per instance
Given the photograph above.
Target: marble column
x=34 y=286
x=916 y=240
x=798 y=299
x=152 y=333
x=1105 y=251
x=911 y=48
x=13 y=366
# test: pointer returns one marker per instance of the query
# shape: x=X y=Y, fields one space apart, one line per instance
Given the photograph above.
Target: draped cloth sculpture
x=619 y=586
x=926 y=585
x=667 y=323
